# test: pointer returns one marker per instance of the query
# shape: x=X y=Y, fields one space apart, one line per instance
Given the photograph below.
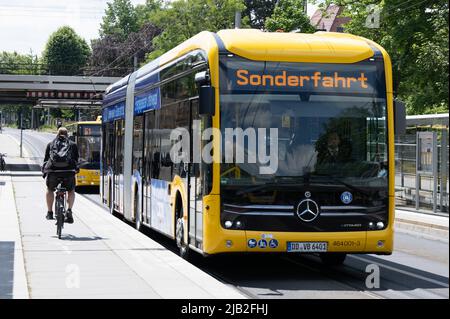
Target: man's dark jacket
x=46 y=167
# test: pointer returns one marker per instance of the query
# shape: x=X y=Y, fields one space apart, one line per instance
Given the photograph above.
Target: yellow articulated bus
x=249 y=141
x=87 y=136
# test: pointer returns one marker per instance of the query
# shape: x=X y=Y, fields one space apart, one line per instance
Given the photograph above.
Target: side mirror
x=206 y=100
x=399 y=117
x=202 y=78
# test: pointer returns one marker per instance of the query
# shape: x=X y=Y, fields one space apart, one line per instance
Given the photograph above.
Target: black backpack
x=61 y=153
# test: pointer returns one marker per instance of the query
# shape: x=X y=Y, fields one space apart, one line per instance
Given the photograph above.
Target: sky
x=25 y=25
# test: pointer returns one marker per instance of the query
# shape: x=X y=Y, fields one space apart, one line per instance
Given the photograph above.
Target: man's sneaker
x=69 y=217
x=49 y=215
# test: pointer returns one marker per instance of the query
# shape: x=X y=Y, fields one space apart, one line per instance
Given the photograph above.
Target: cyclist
x=61 y=164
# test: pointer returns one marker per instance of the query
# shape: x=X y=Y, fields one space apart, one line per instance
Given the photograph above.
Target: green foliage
x=66 y=53
x=288 y=16
x=415 y=34
x=257 y=11
x=67 y=114
x=182 y=19
x=120 y=19
x=146 y=12
x=15 y=63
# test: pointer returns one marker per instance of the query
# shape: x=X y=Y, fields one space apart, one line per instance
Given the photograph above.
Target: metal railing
x=406 y=173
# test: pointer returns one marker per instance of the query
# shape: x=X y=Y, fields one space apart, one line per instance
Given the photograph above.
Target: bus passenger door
x=150 y=163
x=118 y=167
x=195 y=217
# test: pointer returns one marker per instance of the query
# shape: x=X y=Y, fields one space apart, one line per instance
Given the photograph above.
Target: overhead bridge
x=32 y=88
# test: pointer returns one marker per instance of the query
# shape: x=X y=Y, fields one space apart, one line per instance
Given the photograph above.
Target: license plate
x=307 y=247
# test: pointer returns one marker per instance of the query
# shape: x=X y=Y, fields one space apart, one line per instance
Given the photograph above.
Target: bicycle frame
x=60 y=208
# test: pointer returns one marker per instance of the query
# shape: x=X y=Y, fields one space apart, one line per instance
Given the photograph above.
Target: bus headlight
x=380 y=225
x=228 y=224
x=238 y=224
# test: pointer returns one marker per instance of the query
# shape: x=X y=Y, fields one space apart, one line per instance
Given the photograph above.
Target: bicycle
x=60 y=202
x=2 y=162
x=60 y=207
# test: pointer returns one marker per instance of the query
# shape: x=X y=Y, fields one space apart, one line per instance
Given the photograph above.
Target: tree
x=288 y=16
x=113 y=57
x=146 y=12
x=66 y=53
x=415 y=34
x=120 y=19
x=258 y=11
x=15 y=63
x=182 y=19
x=126 y=32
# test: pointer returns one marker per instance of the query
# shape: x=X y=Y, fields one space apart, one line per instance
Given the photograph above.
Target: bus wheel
x=333 y=259
x=179 y=231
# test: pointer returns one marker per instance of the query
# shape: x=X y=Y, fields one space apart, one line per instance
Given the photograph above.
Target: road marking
x=402 y=271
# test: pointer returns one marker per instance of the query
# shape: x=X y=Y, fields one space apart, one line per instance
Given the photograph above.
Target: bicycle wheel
x=59 y=217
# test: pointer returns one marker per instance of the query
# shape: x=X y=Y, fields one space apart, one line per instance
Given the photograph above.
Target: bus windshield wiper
x=275 y=182
x=350 y=186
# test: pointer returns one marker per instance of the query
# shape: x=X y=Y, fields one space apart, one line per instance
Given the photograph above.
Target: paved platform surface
x=99 y=256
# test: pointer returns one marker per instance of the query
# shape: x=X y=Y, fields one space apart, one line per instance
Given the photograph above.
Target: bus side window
x=138 y=143
x=182 y=121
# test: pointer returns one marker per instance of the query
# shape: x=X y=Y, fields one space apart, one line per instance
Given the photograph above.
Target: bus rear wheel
x=179 y=234
x=333 y=259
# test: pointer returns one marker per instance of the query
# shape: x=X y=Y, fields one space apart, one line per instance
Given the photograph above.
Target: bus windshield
x=330 y=119
x=89 y=139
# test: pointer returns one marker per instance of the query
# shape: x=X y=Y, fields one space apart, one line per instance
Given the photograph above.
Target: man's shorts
x=53 y=179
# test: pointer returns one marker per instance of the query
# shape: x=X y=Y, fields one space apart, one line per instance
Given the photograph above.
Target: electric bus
x=317 y=116
x=87 y=136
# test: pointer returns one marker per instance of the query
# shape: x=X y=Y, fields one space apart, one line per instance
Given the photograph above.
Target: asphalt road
x=35 y=143
x=418 y=268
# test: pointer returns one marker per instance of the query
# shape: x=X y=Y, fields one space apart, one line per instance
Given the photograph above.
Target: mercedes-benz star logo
x=307 y=210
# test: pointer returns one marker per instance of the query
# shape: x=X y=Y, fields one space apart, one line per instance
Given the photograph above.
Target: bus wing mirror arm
x=206 y=100
x=399 y=117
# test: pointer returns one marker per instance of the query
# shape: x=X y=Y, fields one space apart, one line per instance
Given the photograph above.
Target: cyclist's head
x=62 y=132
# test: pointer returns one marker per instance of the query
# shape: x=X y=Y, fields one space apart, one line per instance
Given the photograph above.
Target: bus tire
x=333 y=259
x=179 y=235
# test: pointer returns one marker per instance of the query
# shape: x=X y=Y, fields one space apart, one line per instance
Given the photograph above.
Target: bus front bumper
x=373 y=242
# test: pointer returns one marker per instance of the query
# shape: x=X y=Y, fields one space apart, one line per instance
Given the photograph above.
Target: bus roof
x=320 y=47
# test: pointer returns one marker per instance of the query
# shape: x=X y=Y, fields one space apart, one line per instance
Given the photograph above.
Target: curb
x=422 y=224
x=10 y=231
x=425 y=230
